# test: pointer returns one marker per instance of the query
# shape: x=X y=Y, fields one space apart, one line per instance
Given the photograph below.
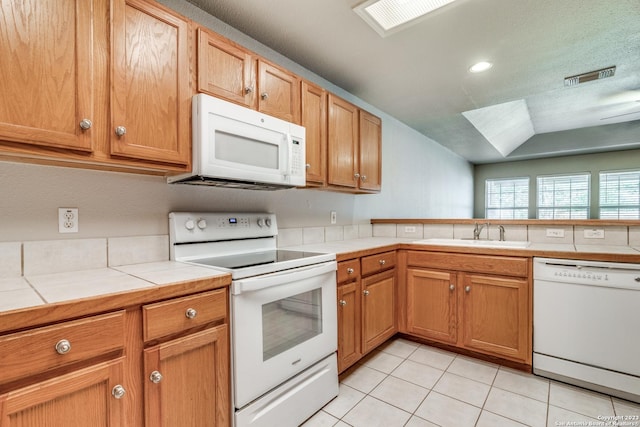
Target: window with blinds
x=563 y=196
x=620 y=195
x=507 y=198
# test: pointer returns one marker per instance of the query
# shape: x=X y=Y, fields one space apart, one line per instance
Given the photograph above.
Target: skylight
x=389 y=16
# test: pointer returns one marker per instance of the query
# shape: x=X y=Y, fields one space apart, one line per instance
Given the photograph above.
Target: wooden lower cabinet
x=86 y=397
x=378 y=309
x=483 y=312
x=187 y=381
x=349 y=331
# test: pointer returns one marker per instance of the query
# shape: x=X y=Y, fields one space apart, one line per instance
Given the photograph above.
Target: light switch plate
x=594 y=233
x=555 y=232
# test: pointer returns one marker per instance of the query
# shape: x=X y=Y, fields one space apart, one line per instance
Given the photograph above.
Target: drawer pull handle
x=191 y=313
x=63 y=347
x=343 y=302
x=350 y=270
x=365 y=293
x=452 y=287
x=85 y=124
x=467 y=289
x=155 y=377
x=382 y=262
x=118 y=392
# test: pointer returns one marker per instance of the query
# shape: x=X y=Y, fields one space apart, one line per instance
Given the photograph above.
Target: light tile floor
x=407 y=384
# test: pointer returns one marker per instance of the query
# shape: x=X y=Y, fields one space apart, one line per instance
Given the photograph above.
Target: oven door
x=282 y=323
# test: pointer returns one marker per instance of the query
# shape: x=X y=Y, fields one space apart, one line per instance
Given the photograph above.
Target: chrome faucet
x=501 y=230
x=478 y=228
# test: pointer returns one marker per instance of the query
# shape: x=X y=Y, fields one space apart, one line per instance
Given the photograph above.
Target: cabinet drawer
x=506 y=266
x=378 y=262
x=180 y=314
x=348 y=270
x=40 y=350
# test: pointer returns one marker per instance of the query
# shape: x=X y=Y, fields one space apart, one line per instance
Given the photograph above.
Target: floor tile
x=321 y=419
x=400 y=393
x=417 y=373
x=363 y=378
x=342 y=424
x=562 y=417
x=516 y=407
x=489 y=419
x=474 y=369
x=578 y=400
x=347 y=398
x=419 y=422
x=370 y=412
x=461 y=388
x=399 y=347
x=522 y=383
x=383 y=362
x=624 y=407
x=433 y=357
x=446 y=411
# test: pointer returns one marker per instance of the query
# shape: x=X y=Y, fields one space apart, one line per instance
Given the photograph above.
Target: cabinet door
x=47 y=72
x=495 y=316
x=378 y=309
x=314 y=119
x=279 y=92
x=370 y=152
x=150 y=99
x=343 y=143
x=192 y=388
x=78 y=399
x=431 y=304
x=349 y=336
x=226 y=70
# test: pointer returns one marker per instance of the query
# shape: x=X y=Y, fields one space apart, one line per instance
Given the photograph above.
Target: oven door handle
x=281 y=278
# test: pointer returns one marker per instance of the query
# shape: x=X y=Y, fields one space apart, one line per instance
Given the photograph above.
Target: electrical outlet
x=67 y=220
x=555 y=232
x=409 y=229
x=595 y=233
x=334 y=217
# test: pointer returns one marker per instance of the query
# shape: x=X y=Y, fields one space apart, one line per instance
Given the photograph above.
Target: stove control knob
x=268 y=222
x=260 y=222
x=189 y=224
x=202 y=224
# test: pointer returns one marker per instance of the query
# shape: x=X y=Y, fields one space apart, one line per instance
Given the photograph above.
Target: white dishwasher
x=586 y=324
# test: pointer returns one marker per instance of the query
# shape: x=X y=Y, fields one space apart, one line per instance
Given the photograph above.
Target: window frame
x=514 y=208
x=557 y=209
x=618 y=206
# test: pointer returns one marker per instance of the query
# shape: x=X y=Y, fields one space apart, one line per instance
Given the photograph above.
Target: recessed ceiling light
x=390 y=16
x=480 y=67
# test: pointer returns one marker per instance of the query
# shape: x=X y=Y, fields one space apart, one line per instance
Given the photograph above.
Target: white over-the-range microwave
x=234 y=146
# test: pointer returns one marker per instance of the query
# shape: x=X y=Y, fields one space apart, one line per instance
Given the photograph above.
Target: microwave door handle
x=253 y=284
x=289 y=152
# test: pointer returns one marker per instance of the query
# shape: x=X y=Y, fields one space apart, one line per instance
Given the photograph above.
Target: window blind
x=620 y=195
x=563 y=196
x=507 y=198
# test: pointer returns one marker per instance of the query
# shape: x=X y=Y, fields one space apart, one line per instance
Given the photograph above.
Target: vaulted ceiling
x=518 y=109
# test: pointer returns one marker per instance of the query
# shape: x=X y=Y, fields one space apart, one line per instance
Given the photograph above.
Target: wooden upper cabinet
x=47 y=73
x=151 y=98
x=314 y=119
x=370 y=152
x=279 y=92
x=343 y=143
x=226 y=70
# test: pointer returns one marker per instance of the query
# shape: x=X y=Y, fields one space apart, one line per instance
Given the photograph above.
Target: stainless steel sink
x=476 y=243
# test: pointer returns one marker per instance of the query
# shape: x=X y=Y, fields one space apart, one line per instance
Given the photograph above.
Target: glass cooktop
x=252 y=259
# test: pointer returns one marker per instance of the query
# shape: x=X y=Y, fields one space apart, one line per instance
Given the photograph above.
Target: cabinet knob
x=342 y=302
x=118 y=392
x=467 y=289
x=121 y=130
x=382 y=262
x=307 y=166
x=363 y=178
x=248 y=89
x=85 y=124
x=452 y=287
x=155 y=377
x=365 y=292
x=191 y=313
x=350 y=270
x=356 y=175
x=63 y=346
x=264 y=95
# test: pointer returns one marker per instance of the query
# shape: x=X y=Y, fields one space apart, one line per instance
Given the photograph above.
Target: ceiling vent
x=591 y=75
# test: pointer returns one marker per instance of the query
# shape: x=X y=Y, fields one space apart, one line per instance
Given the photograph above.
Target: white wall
x=421 y=179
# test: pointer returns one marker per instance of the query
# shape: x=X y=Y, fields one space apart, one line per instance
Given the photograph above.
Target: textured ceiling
x=420 y=75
